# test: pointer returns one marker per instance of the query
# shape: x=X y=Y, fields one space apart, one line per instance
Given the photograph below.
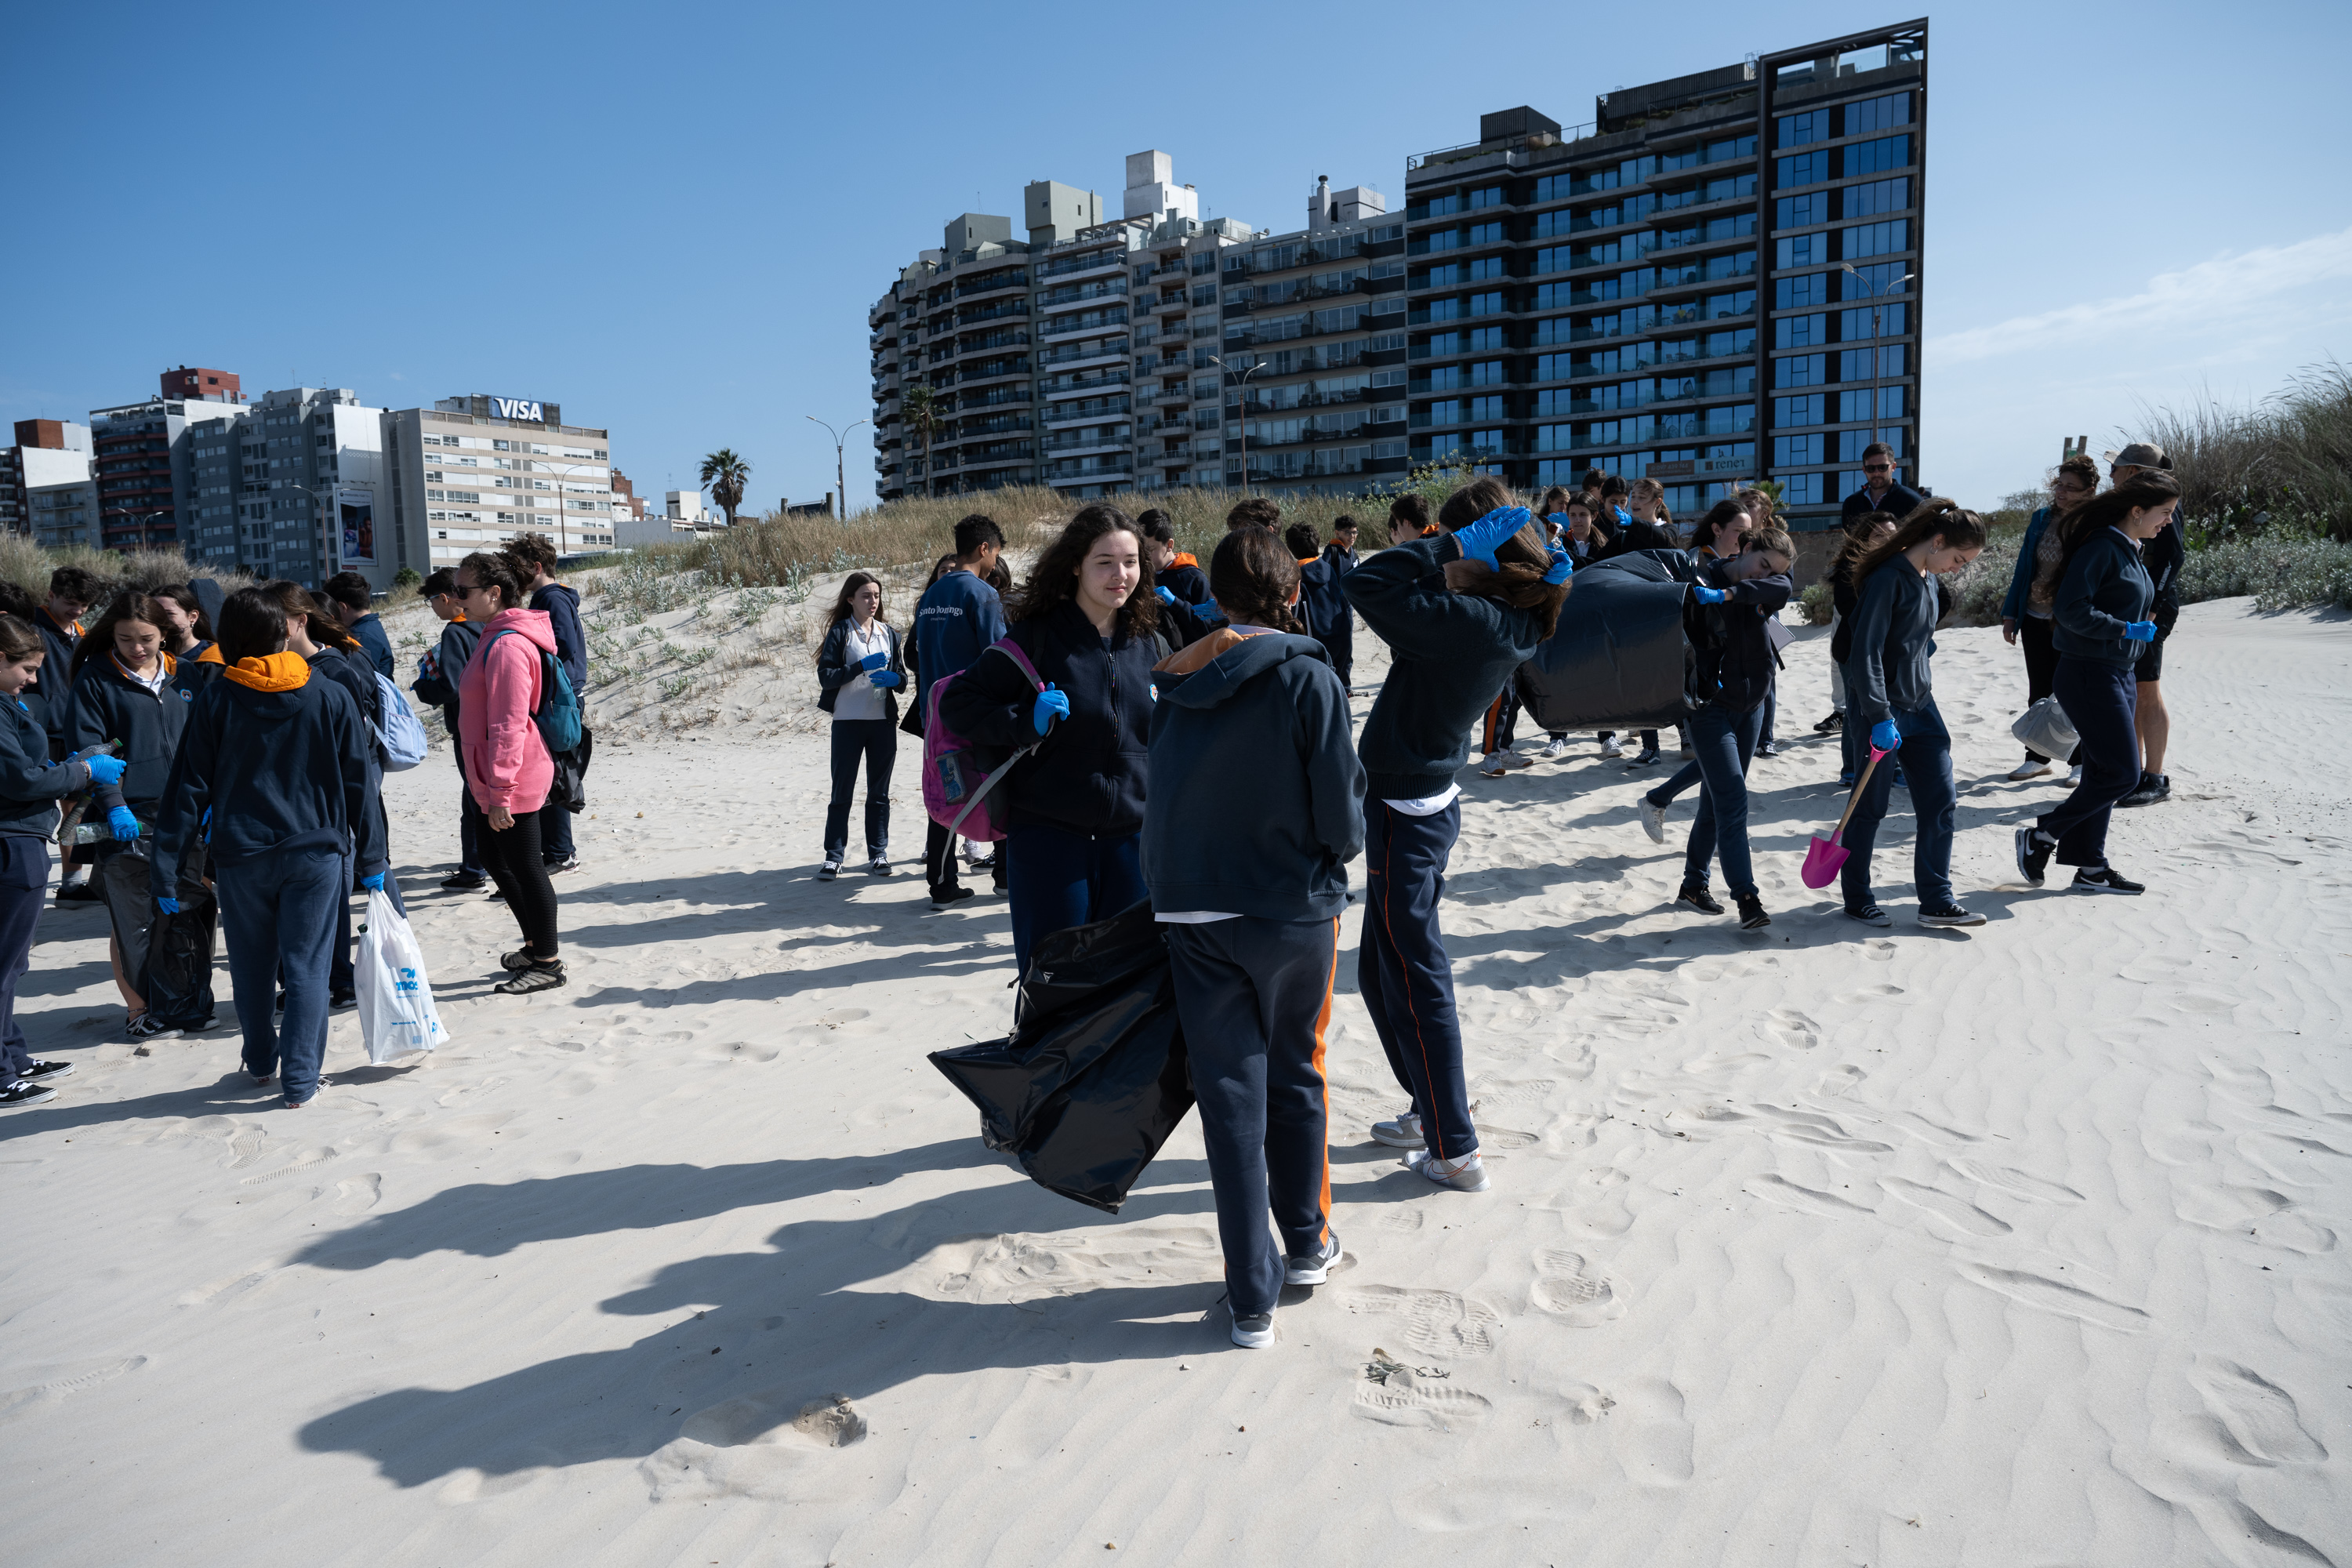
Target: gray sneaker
x=1315 y=1267
x=1399 y=1132
x=1467 y=1174
x=1255 y=1331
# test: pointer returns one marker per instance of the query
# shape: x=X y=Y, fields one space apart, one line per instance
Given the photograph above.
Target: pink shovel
x=1824 y=856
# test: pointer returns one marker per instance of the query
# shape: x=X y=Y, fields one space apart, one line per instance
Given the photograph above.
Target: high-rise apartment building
x=48 y=453
x=1717 y=282
x=999 y=361
x=470 y=472
x=287 y=487
x=139 y=458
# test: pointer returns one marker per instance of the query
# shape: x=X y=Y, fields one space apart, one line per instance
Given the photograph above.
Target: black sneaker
x=878 y=867
x=1831 y=725
x=2106 y=880
x=497 y=895
x=1869 y=915
x=1699 y=897
x=80 y=893
x=465 y=882
x=2152 y=788
x=828 y=871
x=559 y=864
x=1649 y=754
x=942 y=896
x=2033 y=848
x=339 y=1000
x=1768 y=749
x=1752 y=914
x=44 y=1072
x=147 y=1026
x=22 y=1093
x=538 y=978
x=1948 y=914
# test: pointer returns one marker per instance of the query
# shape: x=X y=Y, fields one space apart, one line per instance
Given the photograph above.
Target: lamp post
x=1877 y=299
x=1244 y=381
x=840 y=471
x=559 y=470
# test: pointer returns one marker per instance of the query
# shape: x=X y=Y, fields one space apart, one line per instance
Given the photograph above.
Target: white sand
x=2018 y=1245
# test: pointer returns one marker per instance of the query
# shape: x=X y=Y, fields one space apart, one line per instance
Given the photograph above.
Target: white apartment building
x=48 y=453
x=469 y=473
x=63 y=514
x=287 y=485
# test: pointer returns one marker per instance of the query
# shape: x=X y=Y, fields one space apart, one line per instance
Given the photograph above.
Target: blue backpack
x=558 y=713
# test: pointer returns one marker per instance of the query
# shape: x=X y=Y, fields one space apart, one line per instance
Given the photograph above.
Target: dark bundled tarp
x=1621 y=659
x=1093 y=1078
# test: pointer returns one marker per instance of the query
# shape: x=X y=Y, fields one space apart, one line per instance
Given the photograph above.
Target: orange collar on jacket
x=1308 y=560
x=170 y=664
x=212 y=655
x=1186 y=559
x=271 y=672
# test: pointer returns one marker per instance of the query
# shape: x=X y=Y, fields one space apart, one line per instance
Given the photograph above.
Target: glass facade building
x=1717 y=280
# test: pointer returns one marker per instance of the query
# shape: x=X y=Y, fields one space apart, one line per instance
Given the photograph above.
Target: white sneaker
x=1653 y=820
x=2074 y=777
x=1315 y=1267
x=1400 y=1132
x=1555 y=749
x=1466 y=1174
x=2028 y=769
x=1254 y=1332
x=1611 y=750
x=1490 y=766
x=1515 y=760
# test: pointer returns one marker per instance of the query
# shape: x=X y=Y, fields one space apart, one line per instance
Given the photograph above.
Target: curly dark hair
x=1054 y=580
x=1254 y=576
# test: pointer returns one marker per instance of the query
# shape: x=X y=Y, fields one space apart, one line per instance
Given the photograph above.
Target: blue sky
x=672 y=219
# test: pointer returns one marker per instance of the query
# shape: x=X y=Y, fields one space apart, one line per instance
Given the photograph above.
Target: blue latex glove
x=103 y=769
x=124 y=823
x=1707 y=595
x=373 y=884
x=2140 y=631
x=1557 y=519
x=169 y=906
x=1561 y=569
x=1480 y=540
x=873 y=661
x=1165 y=596
x=1624 y=518
x=887 y=679
x=1884 y=736
x=1206 y=610
x=1051 y=705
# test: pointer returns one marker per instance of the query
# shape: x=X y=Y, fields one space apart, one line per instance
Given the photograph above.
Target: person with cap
x=2163 y=556
x=1880 y=490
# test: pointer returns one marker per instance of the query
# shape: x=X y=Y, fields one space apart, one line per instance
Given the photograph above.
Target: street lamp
x=1243 y=380
x=1877 y=357
x=840 y=471
x=559 y=470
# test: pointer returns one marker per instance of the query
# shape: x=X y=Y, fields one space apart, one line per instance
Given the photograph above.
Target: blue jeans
x=278 y=910
x=875 y=740
x=1925 y=755
x=1725 y=742
x=1055 y=880
x=1403 y=974
x=1685 y=776
x=24 y=889
x=2102 y=700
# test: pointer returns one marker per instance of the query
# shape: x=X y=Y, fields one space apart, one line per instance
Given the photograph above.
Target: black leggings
x=520 y=868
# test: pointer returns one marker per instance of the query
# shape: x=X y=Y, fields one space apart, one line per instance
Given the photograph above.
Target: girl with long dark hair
x=1861 y=531
x=1893 y=700
x=860 y=667
x=1085 y=621
x=2027 y=610
x=508 y=765
x=2101 y=627
x=1726 y=614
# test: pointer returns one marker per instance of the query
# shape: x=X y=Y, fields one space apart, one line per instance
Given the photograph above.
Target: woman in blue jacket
x=273 y=783
x=860 y=669
x=30 y=788
x=1890 y=637
x=1251 y=901
x=2026 y=609
x=1085 y=620
x=2101 y=610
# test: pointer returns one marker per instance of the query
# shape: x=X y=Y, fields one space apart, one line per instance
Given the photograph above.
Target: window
x=1878 y=113
x=1444 y=378
x=1485 y=267
x=1447 y=413
x=1793 y=451
x=1797 y=130
x=1722 y=307
x=1878 y=196
x=1440 y=277
x=1805 y=169
x=1863 y=325
x=1799 y=332
x=1854 y=364
x=1805 y=370
x=1870 y=157
x=1486 y=304
x=1487 y=408
x=1877 y=238
x=1801 y=250
x=1485 y=234
x=1442 y=239
x=1801 y=489
x=1488 y=372
x=1803 y=211
x=1441 y=346
x=1490 y=196
x=1793 y=411
x=1796 y=293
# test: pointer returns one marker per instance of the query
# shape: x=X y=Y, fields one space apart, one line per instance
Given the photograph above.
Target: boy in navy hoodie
x=1252 y=902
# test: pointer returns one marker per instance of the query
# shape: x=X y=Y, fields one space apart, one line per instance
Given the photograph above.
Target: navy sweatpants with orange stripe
x=1403 y=973
x=1254 y=998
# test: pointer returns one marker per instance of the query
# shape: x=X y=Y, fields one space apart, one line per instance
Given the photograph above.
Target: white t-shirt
x=861 y=699
x=1428 y=805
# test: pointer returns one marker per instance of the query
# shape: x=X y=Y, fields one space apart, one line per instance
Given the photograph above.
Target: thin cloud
x=2227 y=289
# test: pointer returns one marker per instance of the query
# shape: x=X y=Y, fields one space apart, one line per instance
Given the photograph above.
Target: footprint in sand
x=1653 y=1434
x=768 y=1445
x=1839 y=1080
x=2264 y=1424
x=1396 y=1396
x=1868 y=994
x=303 y=1162
x=1792 y=1028
x=1568 y=1288
x=50 y=1385
x=1437 y=1322
x=358 y=1195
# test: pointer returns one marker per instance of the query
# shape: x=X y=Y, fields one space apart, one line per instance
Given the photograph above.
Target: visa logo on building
x=519 y=408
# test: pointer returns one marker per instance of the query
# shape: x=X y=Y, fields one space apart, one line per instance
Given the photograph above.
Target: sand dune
x=2015 y=1246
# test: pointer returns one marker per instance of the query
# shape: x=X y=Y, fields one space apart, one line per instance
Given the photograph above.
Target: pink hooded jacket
x=507 y=764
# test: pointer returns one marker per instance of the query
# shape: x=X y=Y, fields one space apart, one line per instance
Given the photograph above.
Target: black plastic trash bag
x=178 y=980
x=1093 y=1078
x=1621 y=659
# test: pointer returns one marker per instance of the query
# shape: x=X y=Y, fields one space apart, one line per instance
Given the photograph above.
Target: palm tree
x=725 y=472
x=920 y=412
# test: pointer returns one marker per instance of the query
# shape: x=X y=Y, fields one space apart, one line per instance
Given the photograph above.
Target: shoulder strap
x=1011 y=649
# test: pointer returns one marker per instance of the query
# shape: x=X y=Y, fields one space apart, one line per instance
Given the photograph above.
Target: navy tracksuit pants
x=278 y=910
x=1254 y=998
x=1403 y=974
x=23 y=888
x=1055 y=880
x=2102 y=700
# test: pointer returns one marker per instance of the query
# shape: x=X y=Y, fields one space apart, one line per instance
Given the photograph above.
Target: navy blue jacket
x=1088 y=777
x=958 y=615
x=562 y=607
x=276 y=770
x=1734 y=661
x=30 y=784
x=1323 y=607
x=50 y=698
x=1186 y=580
x=2106 y=585
x=1900 y=501
x=368 y=630
x=1450 y=653
x=1891 y=633
x=1267 y=711
x=449 y=661
x=2020 y=576
x=108 y=705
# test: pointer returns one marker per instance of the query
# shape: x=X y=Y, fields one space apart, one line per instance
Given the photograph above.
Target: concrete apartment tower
x=470 y=472
x=46 y=492
x=287 y=487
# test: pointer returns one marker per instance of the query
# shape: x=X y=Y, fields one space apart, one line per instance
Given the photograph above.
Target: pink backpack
x=955 y=784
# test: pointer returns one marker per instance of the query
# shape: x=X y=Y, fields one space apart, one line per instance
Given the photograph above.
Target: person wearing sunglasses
x=2026 y=611
x=1880 y=490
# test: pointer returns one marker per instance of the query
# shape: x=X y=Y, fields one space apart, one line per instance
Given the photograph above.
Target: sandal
x=538 y=978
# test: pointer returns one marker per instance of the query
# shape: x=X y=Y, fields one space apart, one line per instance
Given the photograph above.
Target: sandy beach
x=1813 y=1245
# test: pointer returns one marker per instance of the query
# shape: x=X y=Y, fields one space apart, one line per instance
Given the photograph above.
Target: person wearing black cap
x=2163 y=556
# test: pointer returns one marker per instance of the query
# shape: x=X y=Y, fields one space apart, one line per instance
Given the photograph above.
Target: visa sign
x=519 y=408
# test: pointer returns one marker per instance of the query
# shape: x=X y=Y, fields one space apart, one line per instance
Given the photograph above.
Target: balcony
x=992 y=312
x=1079 y=354
x=1118 y=467
x=1165 y=399
x=1170 y=302
x=1088 y=386
x=1061 y=415
x=994 y=283
x=1072 y=265
x=996 y=340
x=1083 y=443
x=1095 y=322
x=1071 y=294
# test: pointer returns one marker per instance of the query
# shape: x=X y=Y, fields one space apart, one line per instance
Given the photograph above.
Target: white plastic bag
x=397 y=1011
x=2044 y=728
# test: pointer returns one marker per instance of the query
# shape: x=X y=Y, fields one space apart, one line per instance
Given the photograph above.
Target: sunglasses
x=1876 y=468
